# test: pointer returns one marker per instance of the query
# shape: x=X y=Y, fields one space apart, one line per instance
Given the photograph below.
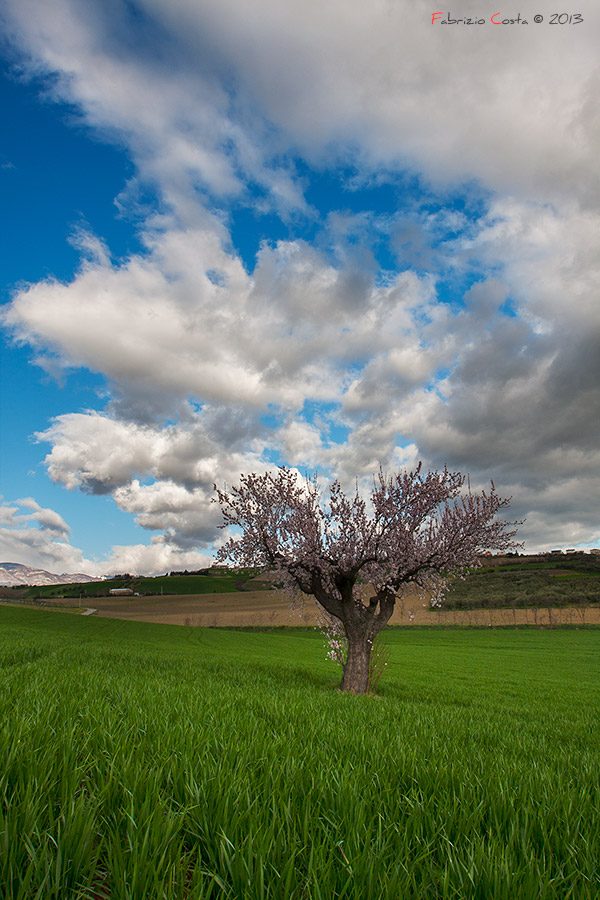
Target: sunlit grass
x=143 y=761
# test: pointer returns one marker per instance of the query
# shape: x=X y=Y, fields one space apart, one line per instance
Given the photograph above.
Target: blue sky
x=47 y=194
x=314 y=234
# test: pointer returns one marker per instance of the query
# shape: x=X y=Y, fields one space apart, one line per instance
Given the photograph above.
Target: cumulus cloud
x=284 y=335
x=98 y=453
x=526 y=389
x=323 y=77
x=41 y=540
x=187 y=518
x=47 y=519
x=156 y=558
x=475 y=345
x=180 y=465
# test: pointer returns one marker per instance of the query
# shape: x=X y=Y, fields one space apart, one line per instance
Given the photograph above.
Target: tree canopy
x=418 y=528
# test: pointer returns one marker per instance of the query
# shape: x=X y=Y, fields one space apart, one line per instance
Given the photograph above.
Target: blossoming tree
x=419 y=529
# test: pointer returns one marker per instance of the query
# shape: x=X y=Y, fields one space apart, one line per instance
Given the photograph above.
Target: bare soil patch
x=270 y=609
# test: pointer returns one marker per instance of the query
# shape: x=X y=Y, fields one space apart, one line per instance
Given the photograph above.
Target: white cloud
x=516 y=386
x=549 y=258
x=47 y=519
x=214 y=102
x=98 y=453
x=156 y=558
x=37 y=539
x=379 y=78
x=41 y=541
x=187 y=517
x=275 y=339
x=301 y=444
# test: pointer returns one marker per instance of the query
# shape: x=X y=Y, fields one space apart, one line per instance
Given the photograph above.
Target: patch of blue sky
x=250 y=227
x=96 y=523
x=28 y=403
x=322 y=415
x=452 y=290
x=87 y=175
x=29 y=400
x=354 y=217
x=337 y=433
x=383 y=224
x=441 y=374
x=271 y=419
x=345 y=187
x=509 y=308
x=326 y=417
x=274 y=457
x=340 y=215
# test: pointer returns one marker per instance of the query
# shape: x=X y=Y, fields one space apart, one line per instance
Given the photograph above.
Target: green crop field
x=145 y=762
x=567 y=581
x=173 y=584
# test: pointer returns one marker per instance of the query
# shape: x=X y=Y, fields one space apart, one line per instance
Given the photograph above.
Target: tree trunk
x=355 y=679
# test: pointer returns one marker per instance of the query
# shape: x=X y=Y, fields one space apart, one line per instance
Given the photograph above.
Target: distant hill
x=14 y=574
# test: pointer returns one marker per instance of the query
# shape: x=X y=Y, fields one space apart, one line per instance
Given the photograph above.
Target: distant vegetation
x=502 y=582
x=142 y=762
x=210 y=583
x=529 y=582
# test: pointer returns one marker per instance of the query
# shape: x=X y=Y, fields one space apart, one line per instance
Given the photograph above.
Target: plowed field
x=269 y=608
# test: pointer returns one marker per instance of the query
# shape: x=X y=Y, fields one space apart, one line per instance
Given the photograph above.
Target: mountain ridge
x=18 y=575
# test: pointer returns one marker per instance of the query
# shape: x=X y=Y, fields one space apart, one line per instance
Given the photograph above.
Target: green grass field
x=175 y=584
x=145 y=762
x=522 y=583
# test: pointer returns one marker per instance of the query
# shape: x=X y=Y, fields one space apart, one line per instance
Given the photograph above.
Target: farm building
x=121 y=592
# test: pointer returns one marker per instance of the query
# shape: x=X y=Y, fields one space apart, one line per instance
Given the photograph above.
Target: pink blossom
x=423 y=529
